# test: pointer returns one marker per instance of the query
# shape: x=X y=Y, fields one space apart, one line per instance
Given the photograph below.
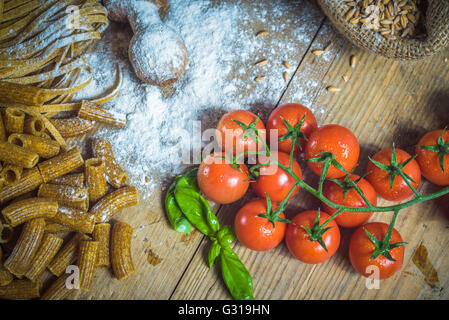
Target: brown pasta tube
x=50 y=245
x=67 y=255
x=10 y=153
x=21 y=211
x=30 y=180
x=113 y=202
x=5 y=276
x=121 y=259
x=73 y=180
x=58 y=289
x=87 y=259
x=34 y=126
x=20 y=290
x=2 y=129
x=102 y=232
x=66 y=195
x=26 y=247
x=95 y=173
x=75 y=219
x=14 y=120
x=44 y=147
x=72 y=127
x=11 y=173
x=92 y=111
x=115 y=175
x=61 y=164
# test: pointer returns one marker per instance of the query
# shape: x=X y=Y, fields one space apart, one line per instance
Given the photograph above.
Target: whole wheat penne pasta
x=102 y=234
x=2 y=129
x=26 y=247
x=95 y=173
x=24 y=210
x=11 y=173
x=20 y=290
x=67 y=255
x=2 y=181
x=50 y=245
x=115 y=175
x=87 y=259
x=45 y=148
x=30 y=180
x=61 y=164
x=52 y=227
x=34 y=126
x=58 y=289
x=5 y=276
x=121 y=259
x=10 y=153
x=75 y=219
x=92 y=111
x=72 y=127
x=14 y=120
x=113 y=202
x=65 y=195
x=73 y=180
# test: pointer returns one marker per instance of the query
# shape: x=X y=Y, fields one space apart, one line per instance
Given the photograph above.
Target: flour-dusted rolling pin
x=157 y=52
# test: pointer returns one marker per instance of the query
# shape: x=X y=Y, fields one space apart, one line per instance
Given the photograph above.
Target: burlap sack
x=436 y=37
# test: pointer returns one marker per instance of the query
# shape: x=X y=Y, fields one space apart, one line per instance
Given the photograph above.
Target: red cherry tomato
x=429 y=161
x=300 y=244
x=293 y=114
x=361 y=248
x=220 y=182
x=337 y=140
x=231 y=133
x=257 y=233
x=273 y=180
x=334 y=193
x=380 y=179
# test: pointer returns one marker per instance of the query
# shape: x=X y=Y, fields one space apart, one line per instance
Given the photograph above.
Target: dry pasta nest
x=432 y=37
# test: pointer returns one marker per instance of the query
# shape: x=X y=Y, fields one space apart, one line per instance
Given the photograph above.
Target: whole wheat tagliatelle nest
x=435 y=35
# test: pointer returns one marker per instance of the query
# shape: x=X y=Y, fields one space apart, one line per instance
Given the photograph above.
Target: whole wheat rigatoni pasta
x=2 y=129
x=58 y=290
x=50 y=245
x=11 y=173
x=61 y=164
x=95 y=173
x=21 y=211
x=66 y=195
x=34 y=126
x=102 y=234
x=121 y=259
x=30 y=180
x=74 y=219
x=52 y=227
x=67 y=255
x=10 y=153
x=115 y=175
x=44 y=147
x=14 y=120
x=113 y=202
x=26 y=247
x=73 y=180
x=5 y=276
x=72 y=127
x=87 y=260
x=21 y=290
x=92 y=111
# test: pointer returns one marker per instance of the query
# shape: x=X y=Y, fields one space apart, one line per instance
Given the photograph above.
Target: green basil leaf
x=213 y=253
x=225 y=236
x=235 y=275
x=189 y=180
x=196 y=209
x=174 y=213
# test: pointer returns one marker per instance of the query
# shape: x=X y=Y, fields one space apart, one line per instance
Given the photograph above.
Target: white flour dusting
x=222 y=49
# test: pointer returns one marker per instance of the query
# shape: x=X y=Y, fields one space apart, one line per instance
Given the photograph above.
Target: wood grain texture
x=382 y=102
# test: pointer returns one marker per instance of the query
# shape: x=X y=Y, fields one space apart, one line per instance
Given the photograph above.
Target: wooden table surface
x=382 y=102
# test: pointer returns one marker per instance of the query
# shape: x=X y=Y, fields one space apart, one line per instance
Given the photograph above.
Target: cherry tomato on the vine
x=293 y=114
x=220 y=181
x=302 y=247
x=347 y=196
x=273 y=180
x=361 y=249
x=239 y=139
x=433 y=161
x=339 y=141
x=257 y=233
x=380 y=178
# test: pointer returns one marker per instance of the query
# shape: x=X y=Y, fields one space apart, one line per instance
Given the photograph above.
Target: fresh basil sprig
x=186 y=207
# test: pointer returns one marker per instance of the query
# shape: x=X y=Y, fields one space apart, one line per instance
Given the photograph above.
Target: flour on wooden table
x=222 y=49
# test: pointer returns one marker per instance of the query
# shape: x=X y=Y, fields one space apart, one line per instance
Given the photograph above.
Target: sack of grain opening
x=379 y=25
